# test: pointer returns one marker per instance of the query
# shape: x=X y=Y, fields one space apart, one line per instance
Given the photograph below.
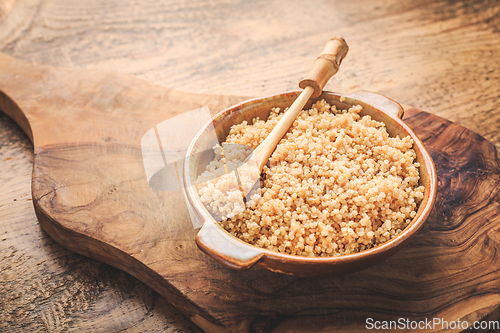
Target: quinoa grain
x=336 y=184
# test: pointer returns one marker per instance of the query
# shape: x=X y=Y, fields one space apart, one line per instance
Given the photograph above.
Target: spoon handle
x=262 y=153
x=324 y=67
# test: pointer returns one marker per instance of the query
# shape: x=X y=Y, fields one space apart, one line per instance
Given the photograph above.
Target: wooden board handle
x=325 y=66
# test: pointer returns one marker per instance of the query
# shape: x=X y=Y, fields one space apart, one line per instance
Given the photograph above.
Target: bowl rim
x=406 y=234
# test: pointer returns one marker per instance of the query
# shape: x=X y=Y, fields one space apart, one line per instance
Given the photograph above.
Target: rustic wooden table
x=440 y=56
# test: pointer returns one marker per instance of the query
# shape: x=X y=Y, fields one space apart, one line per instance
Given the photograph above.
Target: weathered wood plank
x=91 y=195
x=437 y=55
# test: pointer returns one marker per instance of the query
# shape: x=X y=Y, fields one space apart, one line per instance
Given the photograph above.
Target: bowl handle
x=225 y=248
x=379 y=101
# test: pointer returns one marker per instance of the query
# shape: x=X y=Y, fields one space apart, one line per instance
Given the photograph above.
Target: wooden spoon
x=225 y=196
x=324 y=67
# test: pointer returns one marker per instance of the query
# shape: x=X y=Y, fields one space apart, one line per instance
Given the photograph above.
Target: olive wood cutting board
x=90 y=194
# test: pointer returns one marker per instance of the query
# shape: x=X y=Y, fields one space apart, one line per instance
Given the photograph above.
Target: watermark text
x=429 y=324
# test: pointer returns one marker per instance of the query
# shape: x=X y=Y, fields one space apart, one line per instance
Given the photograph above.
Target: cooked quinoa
x=336 y=184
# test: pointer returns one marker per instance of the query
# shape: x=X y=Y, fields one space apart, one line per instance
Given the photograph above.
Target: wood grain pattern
x=91 y=195
x=46 y=288
x=440 y=55
x=437 y=55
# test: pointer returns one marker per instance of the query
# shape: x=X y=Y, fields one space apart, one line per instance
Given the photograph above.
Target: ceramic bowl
x=237 y=254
